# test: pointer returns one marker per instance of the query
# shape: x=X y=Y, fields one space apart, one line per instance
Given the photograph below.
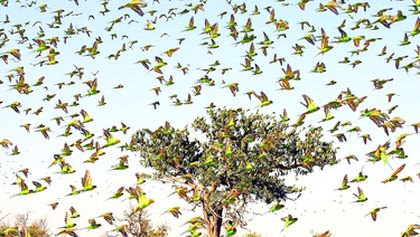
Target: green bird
x=302 y=4
x=66 y=151
x=86 y=116
x=214 y=33
x=257 y=70
x=298 y=49
x=374 y=212
x=380 y=153
x=143 y=202
x=191 y=25
x=247 y=66
x=309 y=104
x=66 y=168
x=289 y=220
x=38 y=187
x=108 y=217
x=110 y=139
x=251 y=53
x=264 y=99
x=74 y=191
x=266 y=40
x=92 y=225
x=343 y=38
x=324 y=43
x=246 y=39
x=74 y=213
x=319 y=68
x=248 y=26
x=359 y=178
x=174 y=211
x=69 y=222
x=120 y=166
x=42 y=46
x=405 y=40
x=93 y=85
x=15 y=151
x=411 y=229
x=136 y=6
x=394 y=175
x=284 y=117
x=24 y=190
x=360 y=196
x=230 y=230
x=416 y=28
x=149 y=25
x=140 y=178
x=117 y=193
x=87 y=182
x=310 y=38
x=122 y=229
x=344 y=184
x=276 y=206
x=15 y=53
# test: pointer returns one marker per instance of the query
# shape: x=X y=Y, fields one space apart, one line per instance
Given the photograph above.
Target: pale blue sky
x=320 y=208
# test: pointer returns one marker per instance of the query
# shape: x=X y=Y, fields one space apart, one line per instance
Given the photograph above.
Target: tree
x=23 y=227
x=233 y=159
x=139 y=225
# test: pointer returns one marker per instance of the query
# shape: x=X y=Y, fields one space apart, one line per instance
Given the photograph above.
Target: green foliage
x=233 y=158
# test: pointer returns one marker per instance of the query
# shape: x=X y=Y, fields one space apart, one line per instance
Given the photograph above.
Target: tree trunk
x=213 y=219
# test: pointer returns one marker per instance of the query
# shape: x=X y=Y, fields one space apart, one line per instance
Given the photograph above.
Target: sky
x=320 y=207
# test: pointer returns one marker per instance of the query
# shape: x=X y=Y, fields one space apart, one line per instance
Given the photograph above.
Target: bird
x=264 y=99
x=360 y=196
x=289 y=220
x=344 y=184
x=324 y=43
x=69 y=224
x=87 y=182
x=309 y=104
x=374 y=212
x=108 y=217
x=359 y=178
x=175 y=211
x=92 y=225
x=394 y=175
x=143 y=202
x=53 y=205
x=136 y=6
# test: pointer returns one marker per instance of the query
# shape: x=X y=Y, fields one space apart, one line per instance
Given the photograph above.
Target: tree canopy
x=231 y=159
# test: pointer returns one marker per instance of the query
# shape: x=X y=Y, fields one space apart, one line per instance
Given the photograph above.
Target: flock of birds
x=43 y=45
